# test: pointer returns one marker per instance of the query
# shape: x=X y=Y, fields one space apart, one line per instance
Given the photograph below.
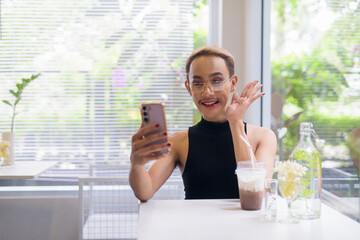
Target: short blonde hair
x=213 y=50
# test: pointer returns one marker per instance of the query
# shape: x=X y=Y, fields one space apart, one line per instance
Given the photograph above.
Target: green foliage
x=200 y=38
x=293 y=75
x=17 y=94
x=313 y=162
x=339 y=124
x=307 y=82
x=201 y=31
x=199 y=6
x=7 y=102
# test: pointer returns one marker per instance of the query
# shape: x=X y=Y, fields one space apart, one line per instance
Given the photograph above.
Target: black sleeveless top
x=210 y=167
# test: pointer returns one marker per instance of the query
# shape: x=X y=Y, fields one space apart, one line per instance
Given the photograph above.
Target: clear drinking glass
x=289 y=187
x=271 y=193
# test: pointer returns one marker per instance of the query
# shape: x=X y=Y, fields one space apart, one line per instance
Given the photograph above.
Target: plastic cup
x=251 y=184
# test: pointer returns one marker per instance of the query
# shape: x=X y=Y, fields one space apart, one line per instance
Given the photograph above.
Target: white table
x=224 y=219
x=25 y=169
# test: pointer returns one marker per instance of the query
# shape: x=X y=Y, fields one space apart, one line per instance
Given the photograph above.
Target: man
x=207 y=153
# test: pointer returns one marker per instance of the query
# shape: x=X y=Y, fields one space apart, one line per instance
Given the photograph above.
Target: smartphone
x=154 y=113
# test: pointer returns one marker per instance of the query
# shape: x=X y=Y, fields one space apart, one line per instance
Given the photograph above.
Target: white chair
x=108 y=208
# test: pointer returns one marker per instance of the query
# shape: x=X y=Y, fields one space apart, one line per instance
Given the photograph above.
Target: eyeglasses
x=216 y=84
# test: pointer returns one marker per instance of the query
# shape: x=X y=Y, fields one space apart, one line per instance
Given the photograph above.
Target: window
x=98 y=59
x=315 y=60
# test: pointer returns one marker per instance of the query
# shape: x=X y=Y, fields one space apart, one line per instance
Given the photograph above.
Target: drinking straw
x=251 y=152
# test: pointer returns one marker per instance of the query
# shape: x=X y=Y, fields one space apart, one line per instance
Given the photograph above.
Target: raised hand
x=141 y=151
x=239 y=105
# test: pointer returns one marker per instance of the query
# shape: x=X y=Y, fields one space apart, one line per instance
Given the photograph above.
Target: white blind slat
x=98 y=62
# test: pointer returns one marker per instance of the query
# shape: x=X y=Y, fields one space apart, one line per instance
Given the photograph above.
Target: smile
x=209 y=103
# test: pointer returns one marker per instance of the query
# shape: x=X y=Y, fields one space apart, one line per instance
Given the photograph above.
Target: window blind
x=98 y=59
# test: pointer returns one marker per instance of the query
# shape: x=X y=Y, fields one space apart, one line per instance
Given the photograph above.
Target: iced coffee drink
x=251 y=179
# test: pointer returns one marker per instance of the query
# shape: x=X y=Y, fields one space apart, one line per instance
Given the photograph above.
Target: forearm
x=242 y=151
x=141 y=183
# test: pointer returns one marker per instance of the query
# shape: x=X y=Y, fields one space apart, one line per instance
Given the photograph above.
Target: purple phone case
x=155 y=113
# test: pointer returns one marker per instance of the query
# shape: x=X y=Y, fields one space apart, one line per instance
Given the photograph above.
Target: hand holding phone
x=154 y=113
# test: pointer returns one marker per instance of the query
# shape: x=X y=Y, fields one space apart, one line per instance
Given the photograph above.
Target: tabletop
x=25 y=169
x=224 y=219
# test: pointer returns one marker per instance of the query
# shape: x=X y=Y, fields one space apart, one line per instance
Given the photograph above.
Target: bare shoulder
x=179 y=137
x=264 y=144
x=260 y=134
x=180 y=146
x=178 y=141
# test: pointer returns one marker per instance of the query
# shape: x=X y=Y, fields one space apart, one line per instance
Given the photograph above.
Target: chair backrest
x=108 y=208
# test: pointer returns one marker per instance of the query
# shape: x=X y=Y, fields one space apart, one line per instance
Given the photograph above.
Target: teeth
x=209 y=103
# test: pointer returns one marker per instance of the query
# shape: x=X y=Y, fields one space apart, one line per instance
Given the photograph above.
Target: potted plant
x=7 y=145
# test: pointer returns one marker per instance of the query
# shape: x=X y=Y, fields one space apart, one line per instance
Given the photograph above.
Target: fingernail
x=169 y=144
x=157 y=125
x=165 y=133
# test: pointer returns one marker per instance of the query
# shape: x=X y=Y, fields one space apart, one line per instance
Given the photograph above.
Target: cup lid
x=248 y=164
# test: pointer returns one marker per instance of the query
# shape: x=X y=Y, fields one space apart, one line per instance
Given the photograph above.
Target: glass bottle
x=307 y=205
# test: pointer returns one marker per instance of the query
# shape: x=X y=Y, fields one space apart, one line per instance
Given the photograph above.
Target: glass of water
x=271 y=193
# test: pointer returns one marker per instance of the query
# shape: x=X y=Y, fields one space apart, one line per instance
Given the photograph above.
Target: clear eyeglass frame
x=200 y=87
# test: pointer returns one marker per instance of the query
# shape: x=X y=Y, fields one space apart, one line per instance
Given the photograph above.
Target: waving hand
x=239 y=105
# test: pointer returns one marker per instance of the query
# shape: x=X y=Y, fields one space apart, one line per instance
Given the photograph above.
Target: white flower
x=289 y=167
